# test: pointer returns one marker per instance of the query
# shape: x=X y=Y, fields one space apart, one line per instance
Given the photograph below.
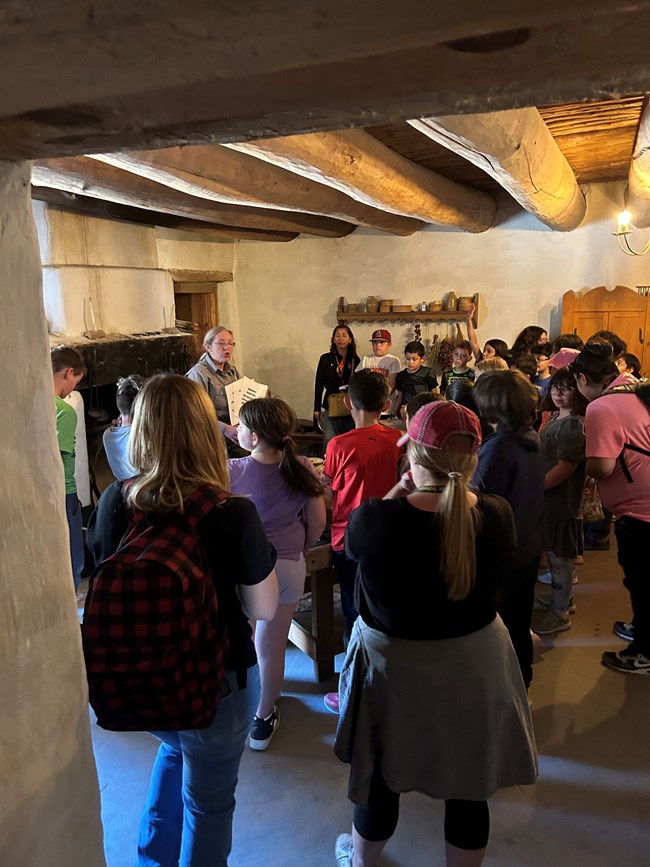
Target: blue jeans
x=75 y=531
x=187 y=818
x=562 y=570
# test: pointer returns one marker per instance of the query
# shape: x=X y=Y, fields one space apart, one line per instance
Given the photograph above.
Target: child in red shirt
x=358 y=465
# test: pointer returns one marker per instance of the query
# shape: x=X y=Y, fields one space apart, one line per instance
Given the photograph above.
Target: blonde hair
x=175 y=446
x=459 y=520
x=495 y=363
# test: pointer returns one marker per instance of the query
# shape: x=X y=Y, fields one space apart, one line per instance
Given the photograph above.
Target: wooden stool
x=319 y=639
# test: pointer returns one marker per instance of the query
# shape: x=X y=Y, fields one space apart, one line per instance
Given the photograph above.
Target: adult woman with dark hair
x=527 y=338
x=177 y=450
x=333 y=372
x=618 y=456
x=431 y=696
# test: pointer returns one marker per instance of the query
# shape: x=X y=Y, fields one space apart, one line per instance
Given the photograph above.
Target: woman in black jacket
x=334 y=371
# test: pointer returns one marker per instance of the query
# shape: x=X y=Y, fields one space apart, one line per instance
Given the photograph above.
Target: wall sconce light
x=623 y=229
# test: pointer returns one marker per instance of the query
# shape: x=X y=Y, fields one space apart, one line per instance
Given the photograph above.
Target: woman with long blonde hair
x=431 y=695
x=177 y=450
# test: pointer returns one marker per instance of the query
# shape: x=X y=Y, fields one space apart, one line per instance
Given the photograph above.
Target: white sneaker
x=343 y=850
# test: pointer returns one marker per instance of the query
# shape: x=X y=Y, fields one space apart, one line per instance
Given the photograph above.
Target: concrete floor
x=590 y=807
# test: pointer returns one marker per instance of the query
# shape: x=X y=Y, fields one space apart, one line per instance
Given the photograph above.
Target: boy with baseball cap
x=382 y=362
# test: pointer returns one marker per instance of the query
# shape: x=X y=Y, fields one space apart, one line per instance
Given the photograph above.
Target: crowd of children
x=490 y=486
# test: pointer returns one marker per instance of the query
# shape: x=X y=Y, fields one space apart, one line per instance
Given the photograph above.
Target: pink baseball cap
x=563 y=357
x=381 y=334
x=435 y=422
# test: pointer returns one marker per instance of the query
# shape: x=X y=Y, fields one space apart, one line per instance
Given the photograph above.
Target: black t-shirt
x=399 y=589
x=236 y=548
x=411 y=384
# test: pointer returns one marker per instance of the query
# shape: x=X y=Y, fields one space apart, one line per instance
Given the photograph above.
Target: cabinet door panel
x=629 y=325
x=587 y=322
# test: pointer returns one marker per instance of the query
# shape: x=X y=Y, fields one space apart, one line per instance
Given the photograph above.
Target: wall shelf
x=411 y=316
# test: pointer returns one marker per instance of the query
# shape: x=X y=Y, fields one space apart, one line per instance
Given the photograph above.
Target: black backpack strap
x=624 y=466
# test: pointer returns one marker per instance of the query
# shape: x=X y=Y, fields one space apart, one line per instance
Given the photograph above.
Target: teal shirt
x=66 y=425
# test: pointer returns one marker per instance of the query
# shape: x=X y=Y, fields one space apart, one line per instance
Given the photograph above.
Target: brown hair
x=459 y=520
x=368 y=391
x=273 y=421
x=564 y=376
x=507 y=399
x=175 y=444
x=63 y=357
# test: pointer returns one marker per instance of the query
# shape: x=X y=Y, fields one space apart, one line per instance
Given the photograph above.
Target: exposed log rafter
x=638 y=192
x=124 y=213
x=91 y=178
x=517 y=150
x=219 y=174
x=355 y=163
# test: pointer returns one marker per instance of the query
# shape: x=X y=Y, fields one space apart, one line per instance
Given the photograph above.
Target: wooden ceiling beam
x=219 y=174
x=79 y=50
x=355 y=163
x=89 y=177
x=126 y=214
x=638 y=191
x=517 y=149
x=77 y=80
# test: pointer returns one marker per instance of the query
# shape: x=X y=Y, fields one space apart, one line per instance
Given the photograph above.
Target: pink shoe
x=331 y=702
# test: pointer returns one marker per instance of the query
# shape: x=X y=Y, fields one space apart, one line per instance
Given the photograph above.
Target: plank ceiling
x=596 y=138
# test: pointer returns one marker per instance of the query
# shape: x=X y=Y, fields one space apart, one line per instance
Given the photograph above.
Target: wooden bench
x=315 y=633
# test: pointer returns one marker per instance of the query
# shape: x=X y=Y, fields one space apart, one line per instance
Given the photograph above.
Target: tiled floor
x=591 y=806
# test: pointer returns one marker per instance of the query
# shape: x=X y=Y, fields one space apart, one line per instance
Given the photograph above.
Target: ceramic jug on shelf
x=372 y=304
x=451 y=302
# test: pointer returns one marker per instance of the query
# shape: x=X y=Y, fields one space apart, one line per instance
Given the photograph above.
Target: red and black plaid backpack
x=154 y=647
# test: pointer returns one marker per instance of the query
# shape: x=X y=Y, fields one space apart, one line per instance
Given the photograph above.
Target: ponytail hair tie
x=455 y=475
x=287 y=439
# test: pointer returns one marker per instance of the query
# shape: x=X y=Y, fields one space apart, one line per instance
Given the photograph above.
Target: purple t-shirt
x=279 y=506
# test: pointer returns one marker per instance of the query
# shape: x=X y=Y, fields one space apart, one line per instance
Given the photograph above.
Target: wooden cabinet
x=621 y=310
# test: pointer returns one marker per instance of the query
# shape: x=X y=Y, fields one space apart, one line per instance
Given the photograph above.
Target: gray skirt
x=448 y=718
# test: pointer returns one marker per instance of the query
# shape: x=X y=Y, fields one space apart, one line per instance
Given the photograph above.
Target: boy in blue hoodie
x=510 y=464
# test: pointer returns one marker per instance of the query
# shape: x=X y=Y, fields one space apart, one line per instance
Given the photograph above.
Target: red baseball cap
x=435 y=422
x=381 y=334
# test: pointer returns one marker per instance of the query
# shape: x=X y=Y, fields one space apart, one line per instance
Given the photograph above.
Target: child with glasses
x=563 y=448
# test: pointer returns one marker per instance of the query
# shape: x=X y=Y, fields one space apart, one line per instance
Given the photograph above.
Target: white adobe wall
x=288 y=293
x=49 y=796
x=123 y=269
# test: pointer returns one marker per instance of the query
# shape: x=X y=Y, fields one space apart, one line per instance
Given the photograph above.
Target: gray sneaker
x=343 y=850
x=549 y=622
x=546 y=599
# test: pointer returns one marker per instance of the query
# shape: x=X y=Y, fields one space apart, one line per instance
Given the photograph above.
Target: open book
x=239 y=392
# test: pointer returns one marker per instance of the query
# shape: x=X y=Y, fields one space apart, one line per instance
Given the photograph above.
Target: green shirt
x=66 y=425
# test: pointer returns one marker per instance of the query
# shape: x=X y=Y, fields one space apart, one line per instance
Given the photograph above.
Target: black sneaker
x=627 y=661
x=263 y=730
x=624 y=630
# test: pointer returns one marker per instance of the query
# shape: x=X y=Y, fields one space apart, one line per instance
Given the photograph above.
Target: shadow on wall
x=287 y=375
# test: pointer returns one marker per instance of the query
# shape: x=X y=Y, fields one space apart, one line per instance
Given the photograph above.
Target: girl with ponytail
x=289 y=499
x=430 y=693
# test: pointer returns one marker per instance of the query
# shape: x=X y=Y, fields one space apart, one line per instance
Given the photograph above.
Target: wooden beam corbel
x=219 y=174
x=95 y=179
x=355 y=163
x=517 y=149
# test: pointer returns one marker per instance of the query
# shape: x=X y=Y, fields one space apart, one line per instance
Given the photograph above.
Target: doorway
x=196 y=306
